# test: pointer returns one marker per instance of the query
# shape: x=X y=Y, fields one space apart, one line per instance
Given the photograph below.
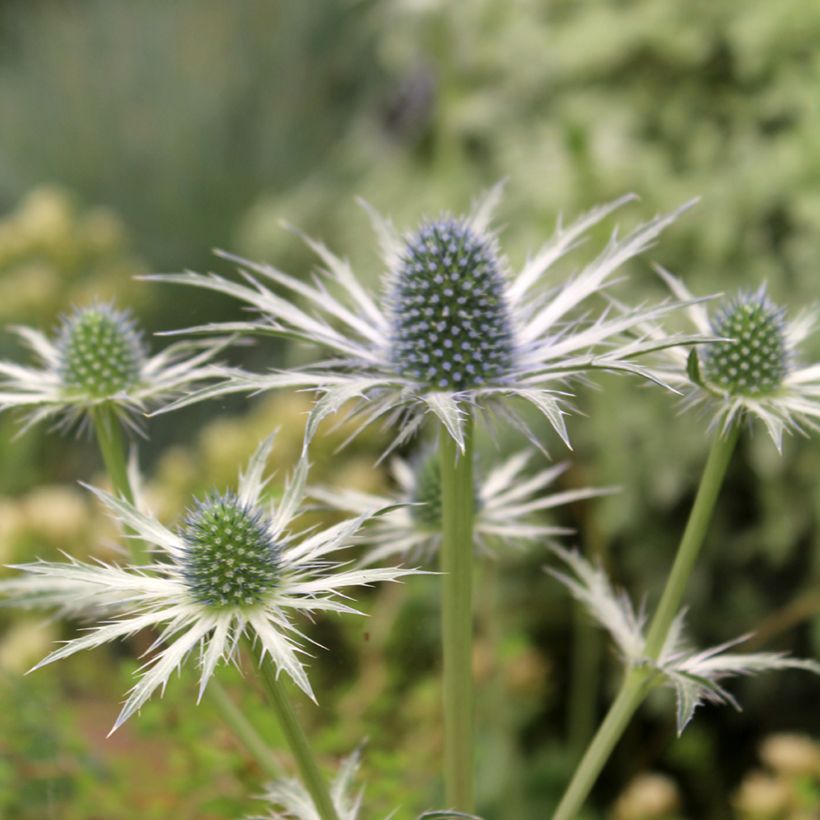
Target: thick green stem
x=110 y=439
x=457 y=616
x=629 y=697
x=299 y=746
x=243 y=728
x=639 y=680
x=693 y=535
x=111 y=442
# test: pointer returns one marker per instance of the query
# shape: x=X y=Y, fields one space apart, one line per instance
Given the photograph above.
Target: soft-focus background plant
x=137 y=136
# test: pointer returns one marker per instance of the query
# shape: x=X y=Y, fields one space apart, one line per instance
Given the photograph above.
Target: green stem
x=111 y=442
x=629 y=697
x=639 y=680
x=110 y=439
x=299 y=746
x=584 y=678
x=693 y=535
x=242 y=728
x=457 y=622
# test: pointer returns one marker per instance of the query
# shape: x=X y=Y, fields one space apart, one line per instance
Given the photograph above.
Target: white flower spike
x=506 y=503
x=233 y=568
x=757 y=371
x=695 y=676
x=454 y=330
x=99 y=357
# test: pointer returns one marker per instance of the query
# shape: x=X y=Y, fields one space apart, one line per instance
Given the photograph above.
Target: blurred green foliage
x=178 y=127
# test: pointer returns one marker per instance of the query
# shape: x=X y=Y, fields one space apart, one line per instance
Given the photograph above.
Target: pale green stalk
x=639 y=680
x=457 y=616
x=110 y=439
x=108 y=430
x=299 y=746
x=243 y=729
x=719 y=457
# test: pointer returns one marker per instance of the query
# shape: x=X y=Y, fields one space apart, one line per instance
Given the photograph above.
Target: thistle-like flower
x=507 y=504
x=290 y=799
x=99 y=357
x=694 y=675
x=453 y=331
x=756 y=370
x=233 y=568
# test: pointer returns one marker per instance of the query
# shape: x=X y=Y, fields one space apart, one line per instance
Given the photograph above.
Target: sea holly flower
x=695 y=676
x=454 y=329
x=507 y=504
x=290 y=799
x=97 y=357
x=757 y=370
x=233 y=568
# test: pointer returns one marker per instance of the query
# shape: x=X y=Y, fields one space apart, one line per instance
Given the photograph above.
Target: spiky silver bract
x=235 y=568
x=455 y=331
x=695 y=676
x=290 y=799
x=98 y=357
x=756 y=371
x=507 y=504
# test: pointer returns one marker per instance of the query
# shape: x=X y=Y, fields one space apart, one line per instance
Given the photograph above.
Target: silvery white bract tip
x=757 y=370
x=694 y=675
x=290 y=800
x=454 y=329
x=233 y=568
x=99 y=357
x=507 y=505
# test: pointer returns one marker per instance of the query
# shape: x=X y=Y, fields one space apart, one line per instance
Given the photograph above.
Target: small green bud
x=755 y=362
x=101 y=352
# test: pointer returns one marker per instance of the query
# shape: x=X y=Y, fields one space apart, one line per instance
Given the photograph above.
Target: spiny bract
x=101 y=352
x=231 y=559
x=754 y=363
x=451 y=324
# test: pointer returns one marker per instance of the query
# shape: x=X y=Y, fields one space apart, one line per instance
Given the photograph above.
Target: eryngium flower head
x=101 y=352
x=290 y=799
x=98 y=356
x=451 y=326
x=756 y=369
x=754 y=362
x=696 y=676
x=455 y=330
x=234 y=567
x=508 y=503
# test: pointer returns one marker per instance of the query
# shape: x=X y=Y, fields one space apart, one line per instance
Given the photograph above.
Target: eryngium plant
x=695 y=675
x=507 y=503
x=235 y=567
x=98 y=358
x=756 y=371
x=454 y=329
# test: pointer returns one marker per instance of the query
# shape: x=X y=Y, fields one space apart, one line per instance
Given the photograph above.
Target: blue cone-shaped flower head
x=754 y=363
x=457 y=328
x=231 y=558
x=101 y=352
x=452 y=328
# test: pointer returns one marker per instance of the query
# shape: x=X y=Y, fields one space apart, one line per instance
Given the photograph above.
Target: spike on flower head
x=451 y=323
x=755 y=362
x=101 y=352
x=231 y=559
